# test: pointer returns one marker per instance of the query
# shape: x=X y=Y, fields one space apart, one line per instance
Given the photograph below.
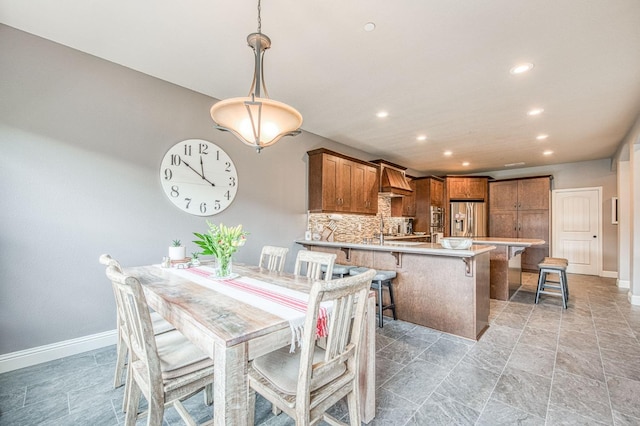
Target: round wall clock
x=199 y=177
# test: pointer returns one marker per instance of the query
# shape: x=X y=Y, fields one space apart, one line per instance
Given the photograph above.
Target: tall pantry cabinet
x=520 y=208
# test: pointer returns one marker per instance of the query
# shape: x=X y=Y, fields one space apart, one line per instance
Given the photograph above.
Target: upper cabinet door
x=467 y=188
x=339 y=184
x=503 y=195
x=533 y=194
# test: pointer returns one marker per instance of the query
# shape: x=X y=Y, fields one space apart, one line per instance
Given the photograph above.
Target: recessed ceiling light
x=547 y=152
x=447 y=153
x=535 y=111
x=421 y=137
x=369 y=26
x=382 y=114
x=465 y=163
x=521 y=68
x=542 y=137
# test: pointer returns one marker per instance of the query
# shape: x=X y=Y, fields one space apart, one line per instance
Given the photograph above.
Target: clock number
x=187 y=150
x=203 y=148
x=188 y=200
x=218 y=155
x=227 y=195
x=216 y=205
x=175 y=191
x=232 y=181
x=227 y=167
x=168 y=174
x=175 y=160
x=203 y=207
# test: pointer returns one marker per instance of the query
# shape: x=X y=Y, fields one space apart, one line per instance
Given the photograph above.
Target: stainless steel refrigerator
x=468 y=219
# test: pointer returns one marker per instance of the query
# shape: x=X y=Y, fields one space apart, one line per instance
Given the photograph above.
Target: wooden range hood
x=393 y=182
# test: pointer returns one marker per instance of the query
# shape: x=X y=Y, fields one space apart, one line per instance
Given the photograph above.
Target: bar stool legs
x=558 y=266
x=380 y=280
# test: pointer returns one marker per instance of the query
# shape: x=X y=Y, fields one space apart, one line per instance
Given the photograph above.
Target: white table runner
x=285 y=303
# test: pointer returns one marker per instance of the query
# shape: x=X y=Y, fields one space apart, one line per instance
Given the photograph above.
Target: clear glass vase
x=224 y=267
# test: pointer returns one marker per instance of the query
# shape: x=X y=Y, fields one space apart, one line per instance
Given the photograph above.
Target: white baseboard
x=28 y=357
x=623 y=284
x=609 y=274
x=634 y=300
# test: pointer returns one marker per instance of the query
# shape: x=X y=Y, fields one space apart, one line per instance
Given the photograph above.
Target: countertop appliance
x=468 y=219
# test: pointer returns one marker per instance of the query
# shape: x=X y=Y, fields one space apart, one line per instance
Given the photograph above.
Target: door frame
x=554 y=212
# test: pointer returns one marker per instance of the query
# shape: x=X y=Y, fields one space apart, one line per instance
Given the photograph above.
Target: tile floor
x=535 y=365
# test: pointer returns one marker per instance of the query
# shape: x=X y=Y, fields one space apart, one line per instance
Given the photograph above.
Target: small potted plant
x=177 y=251
x=195 y=261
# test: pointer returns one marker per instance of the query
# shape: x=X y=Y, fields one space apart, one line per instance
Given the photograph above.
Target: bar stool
x=339 y=271
x=553 y=265
x=380 y=280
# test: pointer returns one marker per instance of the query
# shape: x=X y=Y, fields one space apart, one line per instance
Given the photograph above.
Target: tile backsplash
x=354 y=227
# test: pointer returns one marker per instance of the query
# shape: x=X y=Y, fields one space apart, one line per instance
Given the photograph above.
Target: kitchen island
x=447 y=290
x=506 y=272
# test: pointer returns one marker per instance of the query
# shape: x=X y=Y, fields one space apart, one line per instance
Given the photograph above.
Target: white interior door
x=577 y=228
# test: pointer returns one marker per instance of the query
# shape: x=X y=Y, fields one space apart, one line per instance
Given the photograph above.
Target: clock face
x=199 y=177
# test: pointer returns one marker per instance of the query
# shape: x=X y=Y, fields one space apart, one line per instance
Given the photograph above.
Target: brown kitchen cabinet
x=463 y=188
x=466 y=188
x=429 y=193
x=520 y=208
x=340 y=184
x=436 y=192
x=405 y=206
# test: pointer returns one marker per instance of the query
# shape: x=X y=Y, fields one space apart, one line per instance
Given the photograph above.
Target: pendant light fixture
x=257 y=121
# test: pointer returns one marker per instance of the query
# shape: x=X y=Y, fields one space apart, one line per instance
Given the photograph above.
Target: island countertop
x=444 y=289
x=501 y=241
x=400 y=246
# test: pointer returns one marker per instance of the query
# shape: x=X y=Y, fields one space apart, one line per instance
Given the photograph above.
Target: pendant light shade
x=257 y=121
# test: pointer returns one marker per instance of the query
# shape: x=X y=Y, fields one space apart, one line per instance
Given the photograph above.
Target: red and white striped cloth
x=285 y=303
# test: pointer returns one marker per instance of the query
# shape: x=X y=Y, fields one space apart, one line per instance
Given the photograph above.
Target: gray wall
x=81 y=141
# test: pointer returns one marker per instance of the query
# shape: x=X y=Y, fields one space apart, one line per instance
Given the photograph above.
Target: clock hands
x=198 y=173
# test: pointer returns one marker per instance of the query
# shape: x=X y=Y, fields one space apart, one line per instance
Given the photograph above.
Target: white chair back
x=314 y=260
x=273 y=258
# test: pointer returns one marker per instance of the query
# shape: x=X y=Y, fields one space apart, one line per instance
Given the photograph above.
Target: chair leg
x=127 y=391
x=353 y=403
x=121 y=360
x=380 y=320
x=156 y=410
x=133 y=402
x=208 y=394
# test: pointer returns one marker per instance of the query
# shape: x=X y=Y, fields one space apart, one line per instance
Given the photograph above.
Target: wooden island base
x=449 y=293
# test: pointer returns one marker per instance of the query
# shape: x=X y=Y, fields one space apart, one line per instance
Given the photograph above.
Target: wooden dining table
x=233 y=333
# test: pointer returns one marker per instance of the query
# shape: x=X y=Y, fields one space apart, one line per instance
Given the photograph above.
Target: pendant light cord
x=259 y=18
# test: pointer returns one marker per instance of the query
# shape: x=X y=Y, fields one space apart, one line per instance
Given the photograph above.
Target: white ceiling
x=439 y=67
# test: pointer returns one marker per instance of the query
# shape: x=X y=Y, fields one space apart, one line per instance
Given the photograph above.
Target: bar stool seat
x=380 y=280
x=339 y=271
x=553 y=265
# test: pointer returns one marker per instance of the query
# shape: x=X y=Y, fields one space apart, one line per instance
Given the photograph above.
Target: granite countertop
x=500 y=241
x=400 y=246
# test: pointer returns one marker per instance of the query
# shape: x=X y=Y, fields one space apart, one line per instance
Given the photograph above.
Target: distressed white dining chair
x=305 y=384
x=160 y=325
x=165 y=368
x=314 y=261
x=273 y=258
